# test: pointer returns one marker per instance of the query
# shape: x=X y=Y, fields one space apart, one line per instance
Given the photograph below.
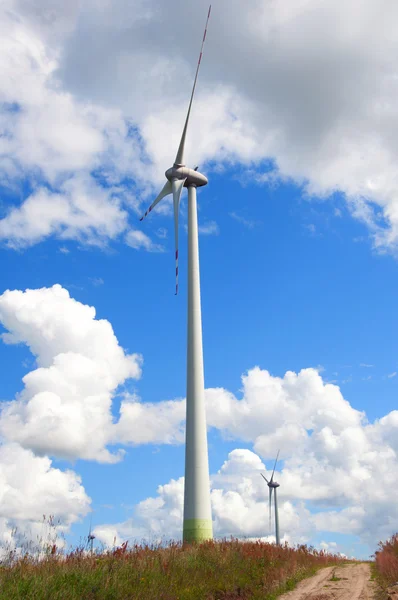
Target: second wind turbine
x=273 y=485
x=198 y=524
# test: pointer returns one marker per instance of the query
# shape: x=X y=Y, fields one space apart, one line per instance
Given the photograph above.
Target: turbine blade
x=180 y=153
x=276 y=460
x=269 y=508
x=167 y=189
x=177 y=185
x=264 y=477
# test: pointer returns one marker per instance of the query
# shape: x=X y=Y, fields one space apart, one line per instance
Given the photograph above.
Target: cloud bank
x=332 y=456
x=93 y=98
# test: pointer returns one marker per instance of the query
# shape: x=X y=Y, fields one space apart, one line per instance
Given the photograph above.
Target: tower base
x=197 y=530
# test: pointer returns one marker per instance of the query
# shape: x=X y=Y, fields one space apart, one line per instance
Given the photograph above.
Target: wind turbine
x=90 y=537
x=272 y=485
x=197 y=508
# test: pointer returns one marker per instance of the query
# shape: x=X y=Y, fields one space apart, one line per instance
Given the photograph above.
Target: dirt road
x=350 y=582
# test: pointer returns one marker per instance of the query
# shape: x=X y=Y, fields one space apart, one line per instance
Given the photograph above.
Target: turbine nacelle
x=190 y=176
x=273 y=484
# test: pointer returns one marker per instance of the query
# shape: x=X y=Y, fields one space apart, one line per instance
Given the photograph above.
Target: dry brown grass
x=386 y=562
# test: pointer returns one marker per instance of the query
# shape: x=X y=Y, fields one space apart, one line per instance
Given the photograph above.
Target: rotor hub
x=191 y=176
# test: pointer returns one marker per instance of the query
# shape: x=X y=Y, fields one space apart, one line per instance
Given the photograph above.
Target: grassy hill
x=224 y=570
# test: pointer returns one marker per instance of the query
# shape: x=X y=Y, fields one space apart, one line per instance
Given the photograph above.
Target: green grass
x=225 y=570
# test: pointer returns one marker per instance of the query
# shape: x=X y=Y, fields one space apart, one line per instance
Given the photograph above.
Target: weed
x=386 y=562
x=222 y=570
x=384 y=571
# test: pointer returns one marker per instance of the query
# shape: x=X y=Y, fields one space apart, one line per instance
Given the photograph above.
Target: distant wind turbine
x=272 y=485
x=90 y=537
x=197 y=508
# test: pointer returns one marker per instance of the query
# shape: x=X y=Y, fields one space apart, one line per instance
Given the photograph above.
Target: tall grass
x=386 y=562
x=224 y=570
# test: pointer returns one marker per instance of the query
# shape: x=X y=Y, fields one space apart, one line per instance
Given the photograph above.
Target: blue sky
x=298 y=272
x=275 y=293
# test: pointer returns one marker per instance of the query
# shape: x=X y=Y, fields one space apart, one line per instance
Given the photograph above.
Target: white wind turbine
x=197 y=508
x=90 y=537
x=272 y=485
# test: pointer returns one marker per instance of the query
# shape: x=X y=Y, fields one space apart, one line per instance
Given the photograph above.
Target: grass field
x=224 y=570
x=386 y=563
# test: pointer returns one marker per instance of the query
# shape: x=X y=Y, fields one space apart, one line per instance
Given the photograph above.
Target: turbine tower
x=197 y=508
x=273 y=485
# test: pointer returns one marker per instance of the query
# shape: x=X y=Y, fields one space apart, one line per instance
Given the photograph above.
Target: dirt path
x=350 y=582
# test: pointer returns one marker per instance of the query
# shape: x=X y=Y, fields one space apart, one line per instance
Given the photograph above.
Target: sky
x=295 y=124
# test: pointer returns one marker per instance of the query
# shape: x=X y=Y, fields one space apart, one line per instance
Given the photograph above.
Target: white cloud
x=138 y=239
x=209 y=228
x=392 y=375
x=239 y=504
x=328 y=545
x=146 y=423
x=332 y=456
x=332 y=460
x=81 y=210
x=275 y=410
x=65 y=406
x=108 y=535
x=50 y=131
x=325 y=119
x=54 y=140
x=31 y=486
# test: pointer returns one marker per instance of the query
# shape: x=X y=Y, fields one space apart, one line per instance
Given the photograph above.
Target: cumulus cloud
x=333 y=455
x=65 y=407
x=84 y=90
x=80 y=210
x=332 y=458
x=30 y=487
x=145 y=423
x=239 y=499
x=239 y=503
x=279 y=412
x=324 y=118
x=73 y=154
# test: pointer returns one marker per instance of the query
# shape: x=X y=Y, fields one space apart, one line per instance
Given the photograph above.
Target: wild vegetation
x=386 y=563
x=223 y=570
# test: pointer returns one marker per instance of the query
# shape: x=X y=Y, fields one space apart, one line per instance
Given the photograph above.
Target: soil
x=349 y=582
